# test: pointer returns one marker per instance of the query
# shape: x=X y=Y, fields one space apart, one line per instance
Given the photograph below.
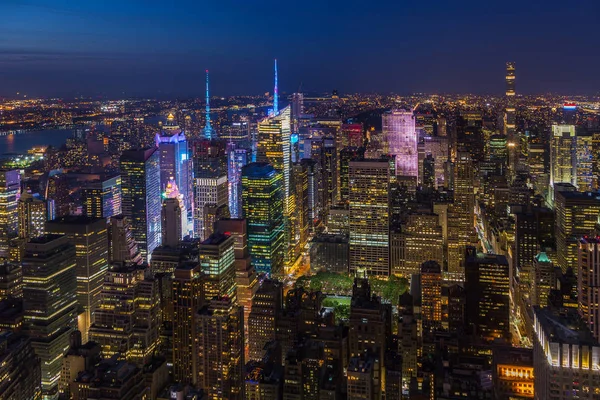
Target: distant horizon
x=134 y=48
x=166 y=97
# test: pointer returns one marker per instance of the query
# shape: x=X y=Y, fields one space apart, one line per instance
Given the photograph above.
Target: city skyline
x=132 y=49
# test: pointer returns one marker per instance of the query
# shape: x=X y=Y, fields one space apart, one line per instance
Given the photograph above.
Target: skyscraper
x=262 y=197
x=10 y=187
x=187 y=300
x=461 y=214
x=50 y=303
x=431 y=296
x=209 y=132
x=246 y=278
x=140 y=172
x=544 y=279
x=173 y=216
x=212 y=192
x=126 y=318
x=103 y=198
x=565 y=356
x=274 y=147
x=370 y=184
x=33 y=215
x=399 y=130
x=276 y=92
x=217 y=260
x=20 y=368
x=122 y=246
x=175 y=163
x=509 y=118
x=563 y=155
x=90 y=238
x=237 y=158
x=348 y=154
x=267 y=307
x=487 y=287
x=221 y=349
x=588 y=284
x=577 y=214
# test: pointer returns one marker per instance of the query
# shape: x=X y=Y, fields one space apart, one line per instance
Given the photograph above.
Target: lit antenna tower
x=208 y=130
x=276 y=93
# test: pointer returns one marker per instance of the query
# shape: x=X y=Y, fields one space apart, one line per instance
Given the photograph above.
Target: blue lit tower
x=208 y=129
x=276 y=93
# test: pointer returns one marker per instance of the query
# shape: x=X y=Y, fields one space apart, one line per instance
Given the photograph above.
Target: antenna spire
x=208 y=130
x=276 y=93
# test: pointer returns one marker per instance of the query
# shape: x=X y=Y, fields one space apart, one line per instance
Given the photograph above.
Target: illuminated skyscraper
x=89 y=235
x=10 y=187
x=122 y=246
x=126 y=319
x=369 y=197
x=274 y=147
x=263 y=208
x=544 y=280
x=175 y=163
x=509 y=117
x=584 y=168
x=576 y=216
x=50 y=303
x=487 y=286
x=209 y=132
x=267 y=307
x=421 y=240
x=461 y=214
x=588 y=283
x=437 y=148
x=103 y=198
x=565 y=356
x=237 y=158
x=401 y=135
x=187 y=300
x=33 y=215
x=276 y=93
x=323 y=151
x=221 y=349
x=431 y=296
x=217 y=260
x=213 y=192
x=173 y=215
x=352 y=135
x=20 y=368
x=246 y=278
x=140 y=173
x=348 y=154
x=563 y=155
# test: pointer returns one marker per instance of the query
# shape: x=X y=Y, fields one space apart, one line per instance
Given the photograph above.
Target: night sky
x=155 y=48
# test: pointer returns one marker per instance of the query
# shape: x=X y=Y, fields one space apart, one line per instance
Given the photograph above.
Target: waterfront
x=21 y=142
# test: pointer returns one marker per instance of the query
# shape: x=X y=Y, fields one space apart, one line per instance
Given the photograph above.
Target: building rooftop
x=567 y=328
x=75 y=220
x=216 y=239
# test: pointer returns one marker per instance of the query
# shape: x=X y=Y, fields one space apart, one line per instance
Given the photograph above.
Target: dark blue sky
x=161 y=48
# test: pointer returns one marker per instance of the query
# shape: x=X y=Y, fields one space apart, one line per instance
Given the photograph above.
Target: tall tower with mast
x=275 y=94
x=208 y=129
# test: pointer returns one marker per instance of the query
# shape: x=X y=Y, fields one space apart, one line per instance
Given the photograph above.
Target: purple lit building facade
x=175 y=164
x=401 y=135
